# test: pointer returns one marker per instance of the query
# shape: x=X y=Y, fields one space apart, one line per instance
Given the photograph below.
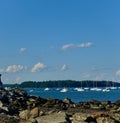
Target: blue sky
x=59 y=40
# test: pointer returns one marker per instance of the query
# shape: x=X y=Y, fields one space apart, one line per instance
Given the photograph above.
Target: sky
x=59 y=40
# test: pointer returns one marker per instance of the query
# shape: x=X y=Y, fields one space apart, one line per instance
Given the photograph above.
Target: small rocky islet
x=16 y=106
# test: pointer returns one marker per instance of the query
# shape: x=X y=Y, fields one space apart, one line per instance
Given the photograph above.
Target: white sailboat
x=64 y=90
x=79 y=89
x=46 y=89
x=86 y=88
x=106 y=89
x=95 y=88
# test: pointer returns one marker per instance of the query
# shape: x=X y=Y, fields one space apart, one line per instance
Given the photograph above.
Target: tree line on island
x=65 y=83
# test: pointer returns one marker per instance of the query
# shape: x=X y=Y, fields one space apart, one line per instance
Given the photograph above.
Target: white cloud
x=64 y=67
x=67 y=46
x=85 y=45
x=118 y=73
x=14 y=68
x=37 y=67
x=22 y=50
x=82 y=45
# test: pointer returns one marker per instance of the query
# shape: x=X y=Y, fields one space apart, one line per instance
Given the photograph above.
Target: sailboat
x=79 y=89
x=106 y=89
x=46 y=89
x=95 y=88
x=64 y=90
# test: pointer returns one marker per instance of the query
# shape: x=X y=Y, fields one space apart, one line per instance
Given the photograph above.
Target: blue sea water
x=74 y=95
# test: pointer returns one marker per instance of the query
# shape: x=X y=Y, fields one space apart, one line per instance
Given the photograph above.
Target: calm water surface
x=74 y=95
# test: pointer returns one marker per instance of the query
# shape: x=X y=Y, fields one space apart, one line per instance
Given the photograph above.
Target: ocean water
x=75 y=94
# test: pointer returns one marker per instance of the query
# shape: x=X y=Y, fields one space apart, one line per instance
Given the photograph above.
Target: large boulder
x=105 y=120
x=80 y=117
x=25 y=114
x=58 y=117
x=29 y=114
x=94 y=104
x=34 y=112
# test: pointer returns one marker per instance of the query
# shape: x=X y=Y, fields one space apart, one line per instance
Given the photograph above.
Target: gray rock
x=25 y=114
x=68 y=101
x=80 y=117
x=34 y=112
x=106 y=102
x=59 y=117
x=96 y=102
x=105 y=120
x=1 y=104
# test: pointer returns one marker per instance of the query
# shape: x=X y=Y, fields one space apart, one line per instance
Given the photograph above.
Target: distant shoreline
x=64 y=83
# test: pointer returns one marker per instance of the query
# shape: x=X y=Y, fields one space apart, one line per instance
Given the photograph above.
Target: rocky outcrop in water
x=16 y=106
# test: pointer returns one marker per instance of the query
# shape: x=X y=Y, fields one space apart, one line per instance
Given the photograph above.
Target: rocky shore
x=16 y=106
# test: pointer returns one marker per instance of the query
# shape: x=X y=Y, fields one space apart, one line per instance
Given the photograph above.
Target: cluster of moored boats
x=106 y=89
